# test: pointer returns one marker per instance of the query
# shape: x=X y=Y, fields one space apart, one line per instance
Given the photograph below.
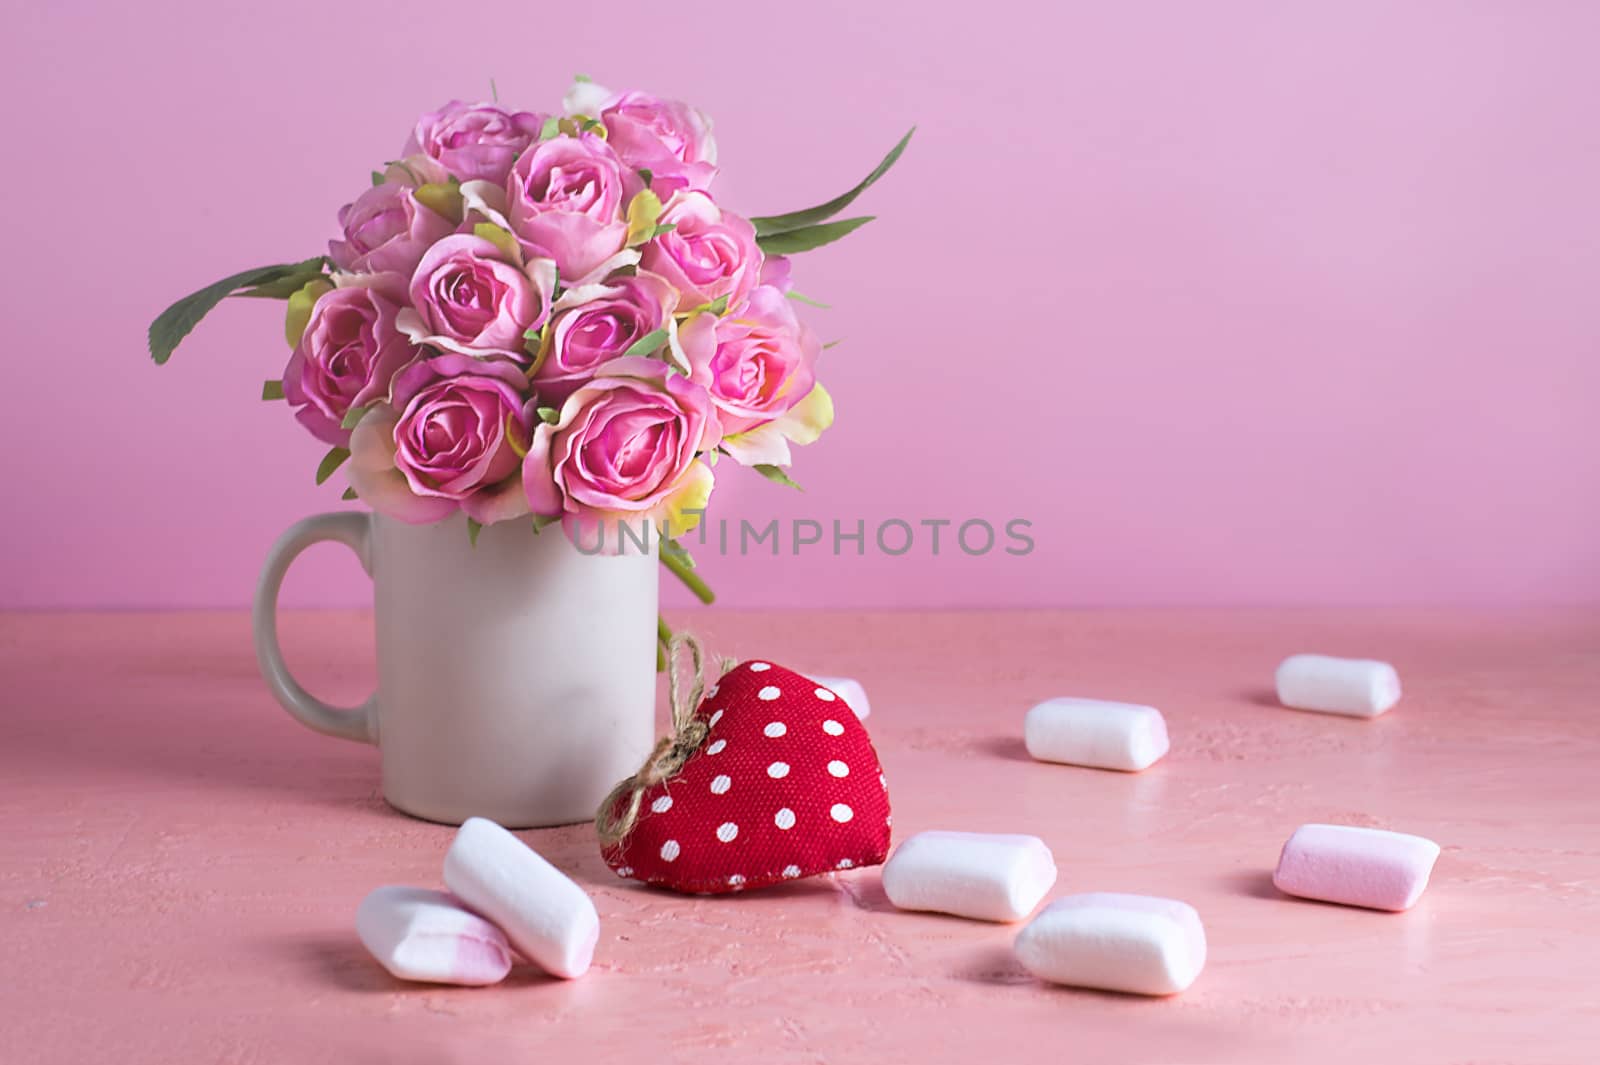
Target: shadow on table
x=1010 y=747
x=341 y=961
x=995 y=966
x=1267 y=697
x=1253 y=883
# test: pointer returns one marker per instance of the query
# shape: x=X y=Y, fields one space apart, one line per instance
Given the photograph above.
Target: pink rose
x=386 y=229
x=348 y=354
x=756 y=363
x=777 y=271
x=469 y=296
x=566 y=201
x=666 y=137
x=624 y=450
x=441 y=444
x=710 y=254
x=608 y=321
x=475 y=141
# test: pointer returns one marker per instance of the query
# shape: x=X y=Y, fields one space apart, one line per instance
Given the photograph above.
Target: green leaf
x=551 y=127
x=330 y=462
x=548 y=415
x=349 y=493
x=377 y=178
x=285 y=288
x=500 y=238
x=832 y=344
x=474 y=527
x=776 y=475
x=443 y=198
x=272 y=390
x=658 y=230
x=807 y=300
x=784 y=223
x=298 y=314
x=793 y=241
x=648 y=344
x=353 y=416
x=178 y=320
x=643 y=210
x=581 y=77
x=646 y=175
x=541 y=520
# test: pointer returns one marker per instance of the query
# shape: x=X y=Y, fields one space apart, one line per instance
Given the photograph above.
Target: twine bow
x=620 y=810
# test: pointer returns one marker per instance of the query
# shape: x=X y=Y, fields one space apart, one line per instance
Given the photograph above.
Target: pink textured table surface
x=182 y=861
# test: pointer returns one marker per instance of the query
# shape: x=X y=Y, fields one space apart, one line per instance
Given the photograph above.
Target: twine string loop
x=619 y=812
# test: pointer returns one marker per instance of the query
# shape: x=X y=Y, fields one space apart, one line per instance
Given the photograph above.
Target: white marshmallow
x=851 y=691
x=548 y=918
x=1356 y=687
x=425 y=935
x=1095 y=733
x=1133 y=943
x=981 y=875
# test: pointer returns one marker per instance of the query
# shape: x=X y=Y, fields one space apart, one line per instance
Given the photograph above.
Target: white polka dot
x=884 y=781
x=720 y=784
x=778 y=770
x=775 y=729
x=727 y=831
x=736 y=881
x=669 y=851
x=769 y=693
x=845 y=863
x=716 y=748
x=838 y=768
x=841 y=813
x=832 y=727
x=625 y=872
x=791 y=871
x=661 y=805
x=711 y=692
x=784 y=818
x=825 y=695
x=714 y=719
x=760 y=667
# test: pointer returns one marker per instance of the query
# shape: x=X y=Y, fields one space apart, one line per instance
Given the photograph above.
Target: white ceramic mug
x=516 y=678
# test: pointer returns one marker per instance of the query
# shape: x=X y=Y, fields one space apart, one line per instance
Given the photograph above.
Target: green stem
x=680 y=569
x=663 y=639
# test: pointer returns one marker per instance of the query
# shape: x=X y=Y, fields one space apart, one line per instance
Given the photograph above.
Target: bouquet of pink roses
x=549 y=318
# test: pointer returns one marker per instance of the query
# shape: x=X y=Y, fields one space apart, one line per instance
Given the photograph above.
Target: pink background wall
x=1236 y=302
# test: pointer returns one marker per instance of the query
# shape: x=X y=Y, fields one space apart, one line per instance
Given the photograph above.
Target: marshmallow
x=548 y=918
x=425 y=935
x=1356 y=687
x=1095 y=733
x=970 y=874
x=1356 y=866
x=851 y=691
x=1133 y=943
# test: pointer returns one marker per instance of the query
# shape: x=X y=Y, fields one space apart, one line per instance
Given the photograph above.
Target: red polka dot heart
x=785 y=785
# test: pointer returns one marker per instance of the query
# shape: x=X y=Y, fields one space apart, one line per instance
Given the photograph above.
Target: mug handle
x=353 y=529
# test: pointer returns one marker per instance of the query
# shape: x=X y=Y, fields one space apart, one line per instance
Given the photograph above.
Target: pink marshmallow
x=1356 y=866
x=424 y=935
